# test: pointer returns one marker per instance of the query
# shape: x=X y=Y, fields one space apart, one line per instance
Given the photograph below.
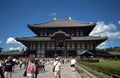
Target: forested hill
x=113 y=49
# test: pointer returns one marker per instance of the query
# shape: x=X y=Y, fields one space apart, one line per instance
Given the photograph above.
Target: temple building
x=66 y=38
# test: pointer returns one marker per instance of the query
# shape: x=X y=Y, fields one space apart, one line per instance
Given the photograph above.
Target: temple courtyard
x=66 y=72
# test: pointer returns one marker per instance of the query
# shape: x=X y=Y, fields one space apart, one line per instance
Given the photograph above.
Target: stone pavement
x=66 y=72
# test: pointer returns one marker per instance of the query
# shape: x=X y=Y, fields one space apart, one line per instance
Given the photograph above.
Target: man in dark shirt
x=9 y=67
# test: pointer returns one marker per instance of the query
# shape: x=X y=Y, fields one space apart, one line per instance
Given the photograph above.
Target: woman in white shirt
x=57 y=65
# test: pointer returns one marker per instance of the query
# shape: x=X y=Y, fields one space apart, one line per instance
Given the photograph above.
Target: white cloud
x=106 y=44
x=102 y=45
x=53 y=14
x=15 y=44
x=17 y=48
x=11 y=48
x=109 y=30
x=118 y=22
x=103 y=29
x=12 y=42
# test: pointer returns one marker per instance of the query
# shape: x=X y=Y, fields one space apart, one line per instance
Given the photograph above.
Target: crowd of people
x=32 y=66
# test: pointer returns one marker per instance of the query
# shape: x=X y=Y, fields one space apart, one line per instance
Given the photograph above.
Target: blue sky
x=16 y=14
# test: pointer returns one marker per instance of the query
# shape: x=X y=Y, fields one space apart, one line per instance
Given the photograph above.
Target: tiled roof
x=11 y=53
x=86 y=53
x=89 y=38
x=107 y=53
x=72 y=38
x=62 y=23
x=34 y=39
x=115 y=53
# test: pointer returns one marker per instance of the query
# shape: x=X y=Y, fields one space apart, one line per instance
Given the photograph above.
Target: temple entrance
x=53 y=53
x=32 y=53
x=60 y=42
x=50 y=53
x=59 y=52
x=71 y=53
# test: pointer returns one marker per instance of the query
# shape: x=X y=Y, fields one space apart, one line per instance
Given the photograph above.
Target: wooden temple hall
x=66 y=38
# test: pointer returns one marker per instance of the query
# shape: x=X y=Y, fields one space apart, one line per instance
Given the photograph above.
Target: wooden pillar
x=55 y=48
x=65 y=49
x=28 y=49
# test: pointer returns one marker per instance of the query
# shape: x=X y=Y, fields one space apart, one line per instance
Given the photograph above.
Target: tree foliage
x=113 y=49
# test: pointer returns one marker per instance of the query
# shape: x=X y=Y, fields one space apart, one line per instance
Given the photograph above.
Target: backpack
x=31 y=69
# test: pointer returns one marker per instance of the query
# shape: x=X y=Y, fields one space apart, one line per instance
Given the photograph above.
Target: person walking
x=1 y=69
x=57 y=66
x=31 y=68
x=9 y=68
x=73 y=62
x=43 y=65
x=37 y=68
x=21 y=63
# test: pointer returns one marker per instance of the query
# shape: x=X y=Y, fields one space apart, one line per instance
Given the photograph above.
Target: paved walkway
x=66 y=72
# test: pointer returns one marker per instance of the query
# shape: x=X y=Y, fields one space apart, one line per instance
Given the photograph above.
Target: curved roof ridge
x=60 y=31
x=82 y=22
x=41 y=23
x=62 y=23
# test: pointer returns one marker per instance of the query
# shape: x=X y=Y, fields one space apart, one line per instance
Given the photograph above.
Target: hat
x=57 y=58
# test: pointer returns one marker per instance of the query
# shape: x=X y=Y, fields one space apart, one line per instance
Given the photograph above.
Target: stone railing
x=83 y=73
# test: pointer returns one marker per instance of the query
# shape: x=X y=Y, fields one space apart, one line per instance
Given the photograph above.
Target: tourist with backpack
x=31 y=68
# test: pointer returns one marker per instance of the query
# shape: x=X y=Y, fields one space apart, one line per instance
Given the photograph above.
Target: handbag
x=54 y=67
x=25 y=73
